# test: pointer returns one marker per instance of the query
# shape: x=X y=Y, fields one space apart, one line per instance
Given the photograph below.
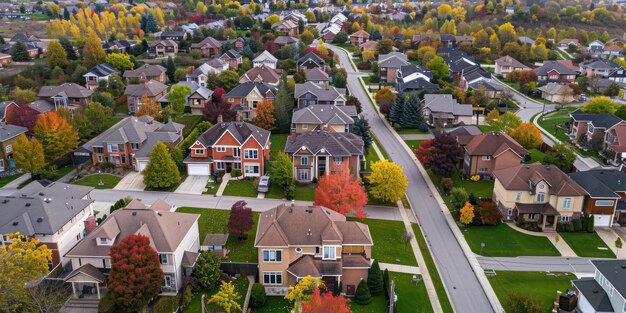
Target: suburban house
x=26 y=115
x=310 y=60
x=286 y=28
x=216 y=244
x=369 y=45
x=265 y=58
x=299 y=241
x=389 y=64
x=443 y=110
x=199 y=98
x=323 y=117
x=565 y=43
x=317 y=76
x=492 y=151
x=329 y=32
x=464 y=134
x=209 y=46
x=605 y=291
x=464 y=69
x=282 y=41
x=359 y=37
x=147 y=72
x=228 y=146
x=174 y=236
x=598 y=68
x=163 y=48
x=200 y=74
x=262 y=74
x=586 y=126
x=176 y=36
x=54 y=214
x=5 y=107
x=615 y=145
x=122 y=46
x=98 y=73
x=618 y=75
x=233 y=58
x=555 y=92
x=606 y=199
x=310 y=93
x=245 y=97
x=8 y=137
x=414 y=78
x=216 y=66
x=508 y=64
x=152 y=89
x=611 y=51
x=315 y=152
x=67 y=95
x=489 y=88
x=537 y=193
x=129 y=142
x=553 y=71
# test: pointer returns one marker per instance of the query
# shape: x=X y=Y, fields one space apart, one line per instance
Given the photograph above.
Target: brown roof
x=307 y=265
x=262 y=73
x=89 y=270
x=493 y=144
x=527 y=176
x=149 y=70
x=508 y=60
x=613 y=48
x=316 y=74
x=70 y=90
x=164 y=42
x=360 y=34
x=165 y=229
x=569 y=64
x=354 y=260
x=541 y=208
x=369 y=45
x=308 y=225
x=209 y=42
x=189 y=258
x=150 y=88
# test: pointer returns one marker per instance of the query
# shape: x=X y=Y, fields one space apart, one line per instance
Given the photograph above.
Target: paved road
x=578 y=266
x=465 y=292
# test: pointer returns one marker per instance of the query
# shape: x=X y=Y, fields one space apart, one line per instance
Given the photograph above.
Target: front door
x=321 y=165
x=350 y=290
x=229 y=167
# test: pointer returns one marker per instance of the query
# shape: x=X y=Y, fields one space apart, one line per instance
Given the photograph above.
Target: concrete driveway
x=193 y=185
x=132 y=181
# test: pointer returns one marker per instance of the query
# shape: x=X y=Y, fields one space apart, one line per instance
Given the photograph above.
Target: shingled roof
x=493 y=144
x=150 y=88
x=527 y=176
x=70 y=90
x=333 y=143
x=325 y=114
x=604 y=120
x=241 y=131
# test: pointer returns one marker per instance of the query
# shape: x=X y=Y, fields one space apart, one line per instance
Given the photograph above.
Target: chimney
x=90 y=224
x=220 y=119
x=293 y=134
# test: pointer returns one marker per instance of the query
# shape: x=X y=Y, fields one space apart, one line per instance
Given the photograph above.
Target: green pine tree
x=362 y=295
x=69 y=48
x=397 y=108
x=361 y=128
x=412 y=115
x=19 y=52
x=283 y=105
x=161 y=172
x=375 y=279
x=171 y=69
x=386 y=283
x=149 y=24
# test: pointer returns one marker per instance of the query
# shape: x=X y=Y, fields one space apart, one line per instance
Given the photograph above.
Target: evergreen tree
x=375 y=279
x=66 y=14
x=161 y=172
x=362 y=295
x=361 y=128
x=283 y=105
x=386 y=283
x=149 y=24
x=412 y=115
x=170 y=68
x=397 y=108
x=69 y=48
x=19 y=52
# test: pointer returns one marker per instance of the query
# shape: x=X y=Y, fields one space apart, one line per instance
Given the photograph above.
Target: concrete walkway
x=225 y=180
x=68 y=177
x=246 y=302
x=560 y=244
x=609 y=236
x=16 y=182
x=417 y=136
x=400 y=268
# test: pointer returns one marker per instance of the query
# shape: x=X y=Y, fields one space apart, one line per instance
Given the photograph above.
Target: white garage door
x=601 y=220
x=198 y=169
x=141 y=165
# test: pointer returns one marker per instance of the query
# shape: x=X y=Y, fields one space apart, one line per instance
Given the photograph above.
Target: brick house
x=8 y=137
x=147 y=72
x=585 y=126
x=491 y=151
x=233 y=58
x=553 y=71
x=245 y=97
x=298 y=241
x=230 y=146
x=163 y=48
x=389 y=65
x=153 y=89
x=67 y=95
x=209 y=46
x=359 y=37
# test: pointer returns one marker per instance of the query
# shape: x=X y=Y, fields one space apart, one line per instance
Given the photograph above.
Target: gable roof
x=493 y=143
x=316 y=74
x=556 y=89
x=210 y=42
x=508 y=60
x=614 y=271
x=263 y=74
x=70 y=90
x=265 y=56
x=8 y=131
x=240 y=130
x=549 y=66
x=599 y=64
x=369 y=45
x=232 y=54
x=604 y=120
x=284 y=40
x=163 y=42
x=393 y=60
x=360 y=34
x=601 y=183
x=243 y=90
x=150 y=88
x=148 y=70
x=323 y=93
x=102 y=70
x=445 y=103
x=311 y=56
x=325 y=114
x=527 y=176
x=333 y=143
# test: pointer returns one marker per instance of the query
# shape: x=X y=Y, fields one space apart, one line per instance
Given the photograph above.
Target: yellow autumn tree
x=227 y=298
x=303 y=291
x=388 y=181
x=148 y=107
x=466 y=215
x=93 y=53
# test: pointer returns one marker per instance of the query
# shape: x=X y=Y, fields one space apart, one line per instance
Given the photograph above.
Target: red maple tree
x=314 y=50
x=425 y=152
x=219 y=106
x=326 y=303
x=240 y=220
x=341 y=192
x=136 y=274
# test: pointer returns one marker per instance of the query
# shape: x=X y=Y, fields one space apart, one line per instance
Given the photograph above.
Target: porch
x=87 y=282
x=543 y=214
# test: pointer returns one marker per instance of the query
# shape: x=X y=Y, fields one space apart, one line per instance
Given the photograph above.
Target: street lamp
x=100 y=176
x=482 y=245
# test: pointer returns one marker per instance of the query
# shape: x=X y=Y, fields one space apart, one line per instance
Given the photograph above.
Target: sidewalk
x=225 y=180
x=16 y=182
x=400 y=268
x=417 y=136
x=560 y=244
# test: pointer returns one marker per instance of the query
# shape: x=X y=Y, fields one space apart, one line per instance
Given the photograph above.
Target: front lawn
x=5 y=180
x=189 y=121
x=241 y=287
x=275 y=304
x=58 y=173
x=382 y=150
x=552 y=120
x=370 y=157
x=215 y=221
x=242 y=187
x=480 y=189
x=539 y=285
x=535 y=156
x=388 y=245
x=378 y=304
x=108 y=181
x=411 y=297
x=587 y=245
x=211 y=188
x=413 y=144
x=278 y=143
x=504 y=241
x=305 y=192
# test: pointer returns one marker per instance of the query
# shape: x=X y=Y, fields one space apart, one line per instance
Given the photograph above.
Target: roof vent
x=39 y=219
x=41 y=193
x=159 y=213
x=48 y=200
x=15 y=223
x=27 y=204
x=309 y=233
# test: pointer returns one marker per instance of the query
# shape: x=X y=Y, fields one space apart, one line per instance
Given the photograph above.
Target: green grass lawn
x=211 y=191
x=275 y=304
x=411 y=297
x=305 y=192
x=481 y=188
x=366 y=80
x=486 y=128
x=215 y=221
x=536 y=284
x=515 y=85
x=371 y=200
x=241 y=287
x=432 y=270
x=123 y=109
x=388 y=244
x=243 y=188
x=413 y=144
x=587 y=244
x=370 y=157
x=24 y=183
x=378 y=304
x=189 y=121
x=535 y=156
x=109 y=181
x=278 y=143
x=504 y=241
x=382 y=150
x=410 y=131
x=8 y=179
x=58 y=173
x=551 y=120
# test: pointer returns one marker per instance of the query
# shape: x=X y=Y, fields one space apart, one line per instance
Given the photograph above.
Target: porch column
x=543 y=223
x=74 y=291
x=98 y=289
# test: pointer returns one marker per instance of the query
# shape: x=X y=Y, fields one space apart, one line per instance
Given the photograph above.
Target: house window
x=121 y=148
x=482 y=169
x=231 y=100
x=167 y=281
x=8 y=149
x=317 y=250
x=567 y=203
x=272 y=278
x=518 y=197
x=337 y=160
x=237 y=152
x=251 y=169
x=99 y=159
x=329 y=253
x=134 y=146
x=237 y=165
x=305 y=126
x=604 y=202
x=272 y=255
x=532 y=216
x=509 y=212
x=112 y=148
x=199 y=151
x=251 y=154
x=590 y=128
x=103 y=240
x=220 y=165
x=221 y=149
x=163 y=259
x=304 y=175
x=564 y=219
x=304 y=161
x=541 y=197
x=486 y=158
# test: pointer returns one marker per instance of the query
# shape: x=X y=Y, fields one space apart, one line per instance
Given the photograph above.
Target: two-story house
x=233 y=58
x=54 y=214
x=605 y=291
x=606 y=197
x=315 y=152
x=508 y=64
x=152 y=90
x=441 y=110
x=201 y=74
x=98 y=73
x=597 y=68
x=491 y=151
x=199 y=98
x=618 y=75
x=67 y=95
x=586 y=126
x=230 y=146
x=245 y=97
x=8 y=137
x=323 y=117
x=122 y=46
x=537 y=193
x=298 y=241
x=310 y=93
x=286 y=28
x=369 y=45
x=209 y=46
x=129 y=142
x=317 y=76
x=147 y=72
x=553 y=71
x=310 y=60
x=282 y=41
x=163 y=48
x=359 y=37
x=174 y=237
x=389 y=64
x=595 y=47
x=176 y=36
x=615 y=144
x=265 y=58
x=262 y=74
x=414 y=78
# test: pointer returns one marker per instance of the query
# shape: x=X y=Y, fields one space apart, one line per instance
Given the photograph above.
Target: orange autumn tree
x=56 y=135
x=326 y=303
x=265 y=115
x=341 y=192
x=148 y=107
x=527 y=135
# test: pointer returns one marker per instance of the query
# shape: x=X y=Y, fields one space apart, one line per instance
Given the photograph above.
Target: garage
x=141 y=165
x=601 y=220
x=198 y=170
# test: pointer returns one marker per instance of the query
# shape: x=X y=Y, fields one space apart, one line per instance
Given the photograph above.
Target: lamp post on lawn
x=100 y=176
x=482 y=245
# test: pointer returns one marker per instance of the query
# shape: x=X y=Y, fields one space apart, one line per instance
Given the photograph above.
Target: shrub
x=568 y=227
x=423 y=127
x=458 y=197
x=364 y=65
x=386 y=283
x=585 y=223
x=475 y=178
x=578 y=225
x=446 y=184
x=107 y=304
x=257 y=297
x=518 y=302
x=165 y=305
x=472 y=198
x=207 y=270
x=374 y=78
x=235 y=173
x=559 y=227
x=488 y=212
x=375 y=279
x=362 y=295
x=187 y=296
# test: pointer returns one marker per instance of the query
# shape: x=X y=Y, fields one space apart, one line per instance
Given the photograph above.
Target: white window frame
x=567 y=203
x=510 y=211
x=337 y=160
x=486 y=157
x=304 y=160
x=273 y=256
x=256 y=169
x=237 y=152
x=305 y=126
x=276 y=275
x=328 y=256
x=482 y=169
x=248 y=152
x=237 y=165
x=541 y=195
x=303 y=175
x=199 y=151
x=167 y=281
x=220 y=149
x=518 y=197
x=9 y=149
x=564 y=219
x=161 y=256
x=219 y=165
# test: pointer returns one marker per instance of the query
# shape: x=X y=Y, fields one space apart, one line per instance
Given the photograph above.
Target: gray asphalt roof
x=445 y=103
x=335 y=144
x=71 y=90
x=3 y=107
x=150 y=88
x=601 y=182
x=322 y=93
x=604 y=120
x=614 y=271
x=9 y=131
x=325 y=114
x=548 y=66
x=102 y=70
x=312 y=56
x=595 y=295
x=149 y=70
x=244 y=89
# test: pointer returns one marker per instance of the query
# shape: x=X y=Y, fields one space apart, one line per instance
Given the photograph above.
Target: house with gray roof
x=318 y=76
x=98 y=73
x=605 y=291
x=585 y=126
x=414 y=78
x=54 y=214
x=508 y=64
x=174 y=236
x=265 y=58
x=129 y=142
x=245 y=97
x=197 y=99
x=310 y=93
x=555 y=92
x=441 y=110
x=8 y=138
x=263 y=73
x=122 y=46
x=67 y=95
x=553 y=71
x=309 y=61
x=598 y=67
x=389 y=64
x=605 y=188
x=323 y=117
x=4 y=109
x=151 y=90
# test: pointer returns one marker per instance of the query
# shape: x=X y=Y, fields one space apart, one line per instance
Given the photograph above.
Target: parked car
x=264 y=184
x=584 y=98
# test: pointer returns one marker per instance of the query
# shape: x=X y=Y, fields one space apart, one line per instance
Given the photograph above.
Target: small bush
x=165 y=305
x=364 y=65
x=235 y=173
x=488 y=212
x=362 y=295
x=446 y=184
x=107 y=304
x=577 y=224
x=585 y=223
x=568 y=227
x=475 y=178
x=187 y=296
x=423 y=127
x=374 y=78
x=590 y=225
x=257 y=297
x=559 y=227
x=375 y=279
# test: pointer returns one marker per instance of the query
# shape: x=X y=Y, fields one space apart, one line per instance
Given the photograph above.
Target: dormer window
x=103 y=241
x=199 y=151
x=329 y=252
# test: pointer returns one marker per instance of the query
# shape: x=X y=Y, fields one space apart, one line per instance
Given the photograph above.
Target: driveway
x=133 y=181
x=195 y=184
